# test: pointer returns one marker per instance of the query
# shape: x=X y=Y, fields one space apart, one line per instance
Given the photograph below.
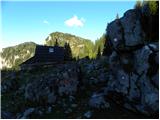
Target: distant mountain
x=80 y=47
x=13 y=56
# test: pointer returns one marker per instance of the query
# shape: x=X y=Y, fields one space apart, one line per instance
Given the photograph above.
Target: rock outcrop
x=133 y=65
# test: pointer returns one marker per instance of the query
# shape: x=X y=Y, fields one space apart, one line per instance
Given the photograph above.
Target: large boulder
x=133 y=32
x=133 y=65
x=126 y=31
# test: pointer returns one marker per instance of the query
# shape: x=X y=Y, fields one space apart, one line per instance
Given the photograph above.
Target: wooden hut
x=45 y=55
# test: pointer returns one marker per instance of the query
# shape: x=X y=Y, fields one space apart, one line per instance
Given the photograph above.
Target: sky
x=34 y=20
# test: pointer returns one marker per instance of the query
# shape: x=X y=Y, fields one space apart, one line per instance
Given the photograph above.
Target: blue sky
x=34 y=21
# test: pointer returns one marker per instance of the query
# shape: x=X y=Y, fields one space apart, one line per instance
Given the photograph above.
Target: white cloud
x=46 y=22
x=75 y=22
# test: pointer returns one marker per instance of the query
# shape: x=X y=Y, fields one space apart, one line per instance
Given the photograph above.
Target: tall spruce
x=98 y=52
x=56 y=43
x=68 y=52
x=117 y=16
x=138 y=5
x=107 y=50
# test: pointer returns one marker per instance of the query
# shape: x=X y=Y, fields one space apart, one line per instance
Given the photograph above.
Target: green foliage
x=150 y=20
x=153 y=7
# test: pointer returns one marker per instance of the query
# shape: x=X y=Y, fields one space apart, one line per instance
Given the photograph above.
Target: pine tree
x=107 y=50
x=153 y=7
x=138 y=5
x=56 y=43
x=117 y=16
x=150 y=20
x=99 y=52
x=68 y=52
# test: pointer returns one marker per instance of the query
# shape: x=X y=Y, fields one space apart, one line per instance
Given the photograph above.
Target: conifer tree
x=68 y=52
x=107 y=50
x=99 y=52
x=56 y=43
x=117 y=16
x=138 y=5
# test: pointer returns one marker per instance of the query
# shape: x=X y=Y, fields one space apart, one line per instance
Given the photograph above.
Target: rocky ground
x=70 y=90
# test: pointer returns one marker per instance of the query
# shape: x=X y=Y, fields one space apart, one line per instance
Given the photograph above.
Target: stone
x=65 y=75
x=103 y=77
x=49 y=110
x=157 y=58
x=69 y=110
x=9 y=85
x=98 y=101
x=154 y=46
x=150 y=95
x=27 y=112
x=155 y=80
x=40 y=112
x=51 y=98
x=68 y=87
x=19 y=115
x=74 y=105
x=119 y=82
x=88 y=114
x=71 y=98
x=6 y=115
x=134 y=91
x=128 y=106
x=141 y=59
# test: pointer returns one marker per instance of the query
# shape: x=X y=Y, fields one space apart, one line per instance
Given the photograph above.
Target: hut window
x=51 y=50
